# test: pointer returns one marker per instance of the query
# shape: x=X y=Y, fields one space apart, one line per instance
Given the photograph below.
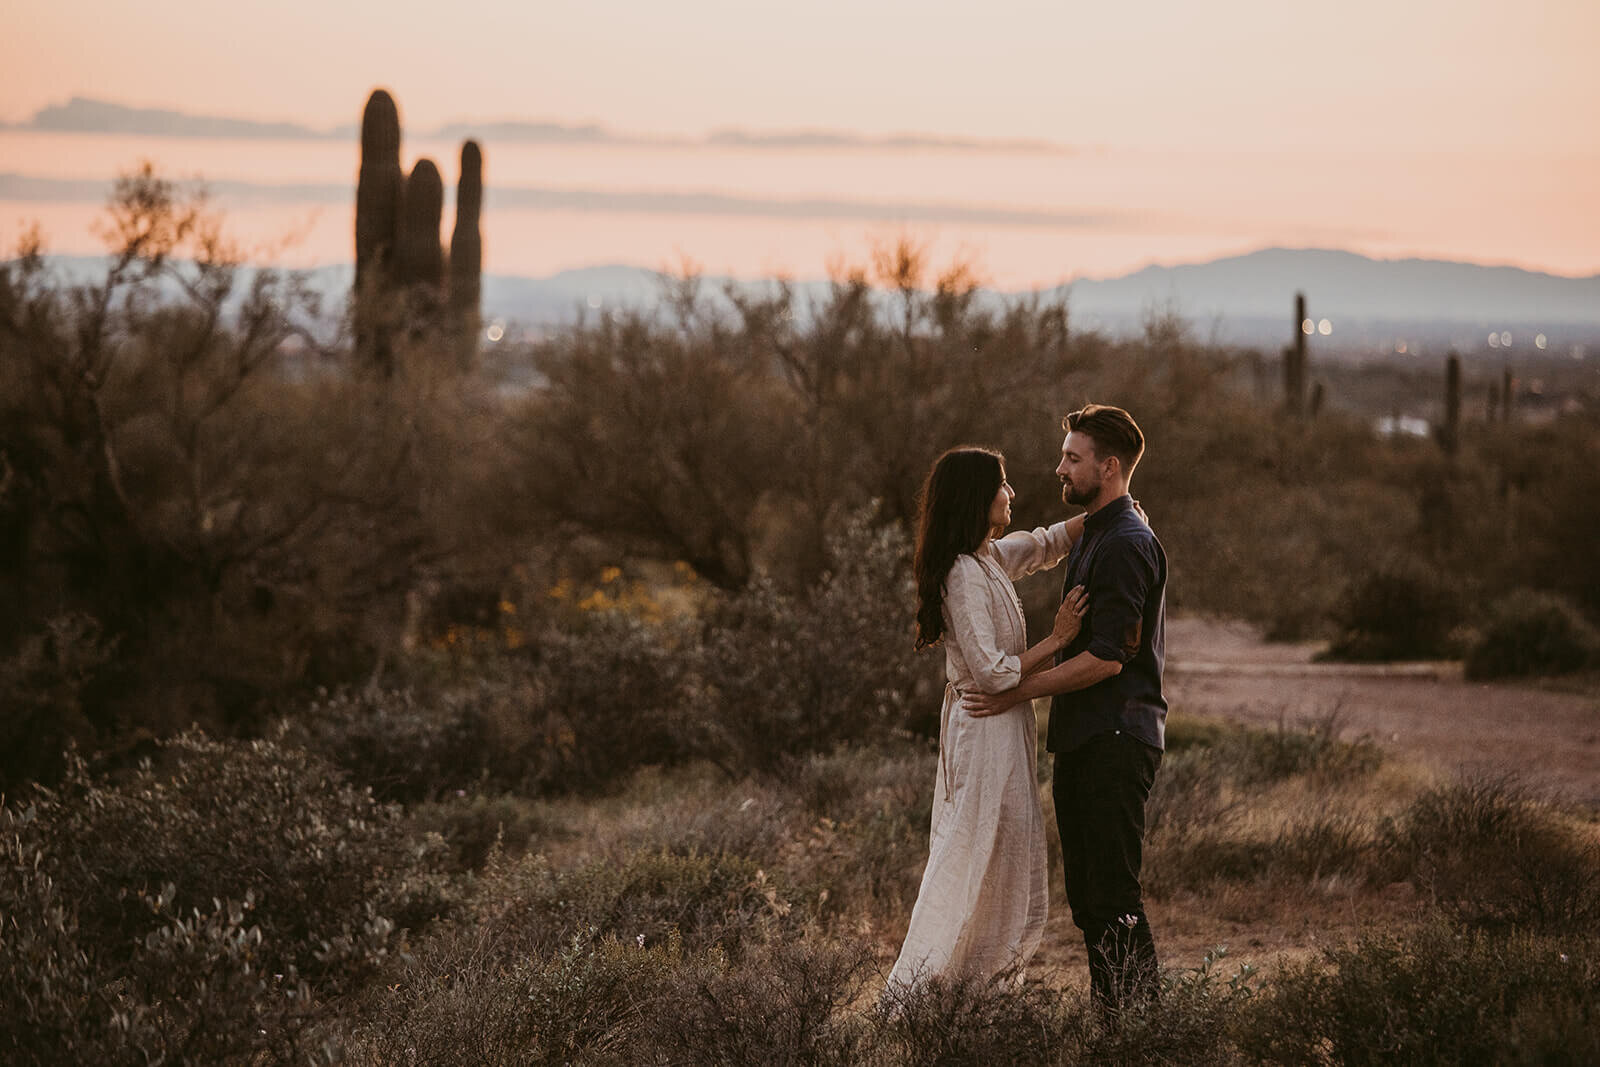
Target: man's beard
x=1079 y=494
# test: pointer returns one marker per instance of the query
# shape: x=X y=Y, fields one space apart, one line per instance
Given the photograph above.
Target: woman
x=982 y=906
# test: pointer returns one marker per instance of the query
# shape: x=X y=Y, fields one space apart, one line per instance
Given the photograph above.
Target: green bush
x=1532 y=633
x=1401 y=609
x=322 y=865
x=212 y=906
x=191 y=990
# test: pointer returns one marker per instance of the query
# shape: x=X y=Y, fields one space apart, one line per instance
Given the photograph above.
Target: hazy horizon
x=1041 y=142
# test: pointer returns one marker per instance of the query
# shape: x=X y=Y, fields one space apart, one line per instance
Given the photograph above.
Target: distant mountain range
x=1346 y=285
x=1247 y=299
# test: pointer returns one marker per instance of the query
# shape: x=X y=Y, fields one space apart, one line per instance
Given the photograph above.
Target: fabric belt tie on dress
x=944 y=726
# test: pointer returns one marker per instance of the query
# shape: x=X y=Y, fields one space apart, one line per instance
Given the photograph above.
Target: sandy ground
x=1425 y=712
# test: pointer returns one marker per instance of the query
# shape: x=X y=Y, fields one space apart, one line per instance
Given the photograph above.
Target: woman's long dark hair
x=953 y=518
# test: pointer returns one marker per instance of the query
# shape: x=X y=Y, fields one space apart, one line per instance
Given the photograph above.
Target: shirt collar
x=1106 y=515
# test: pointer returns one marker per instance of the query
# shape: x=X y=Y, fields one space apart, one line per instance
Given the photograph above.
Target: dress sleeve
x=970 y=624
x=1118 y=585
x=1026 y=551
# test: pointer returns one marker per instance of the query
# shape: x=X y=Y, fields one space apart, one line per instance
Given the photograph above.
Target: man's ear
x=1113 y=467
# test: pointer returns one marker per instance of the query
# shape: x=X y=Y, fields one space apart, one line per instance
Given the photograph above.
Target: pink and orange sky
x=1466 y=129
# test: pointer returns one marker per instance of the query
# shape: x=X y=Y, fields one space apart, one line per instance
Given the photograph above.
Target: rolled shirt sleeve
x=969 y=623
x=1026 y=551
x=1118 y=587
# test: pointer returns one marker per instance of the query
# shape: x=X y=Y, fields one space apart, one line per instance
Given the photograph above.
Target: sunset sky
x=1467 y=128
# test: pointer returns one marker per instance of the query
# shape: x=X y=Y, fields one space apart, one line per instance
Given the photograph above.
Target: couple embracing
x=982 y=905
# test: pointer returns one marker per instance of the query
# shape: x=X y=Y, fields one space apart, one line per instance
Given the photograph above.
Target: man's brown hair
x=1113 y=431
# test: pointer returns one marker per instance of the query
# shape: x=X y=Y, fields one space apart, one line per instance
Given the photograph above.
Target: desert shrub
x=865 y=840
x=1251 y=757
x=704 y=900
x=185 y=988
x=1207 y=783
x=1322 y=845
x=43 y=688
x=1531 y=633
x=463 y=999
x=1314 y=749
x=1209 y=767
x=614 y=693
x=473 y=825
x=784 y=1004
x=1189 y=1024
x=1436 y=995
x=1191 y=795
x=789 y=675
x=1488 y=852
x=582 y=705
x=403 y=747
x=1400 y=609
x=328 y=872
x=941 y=1021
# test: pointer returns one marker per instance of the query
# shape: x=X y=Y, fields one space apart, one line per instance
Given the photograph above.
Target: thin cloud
x=19 y=187
x=87 y=115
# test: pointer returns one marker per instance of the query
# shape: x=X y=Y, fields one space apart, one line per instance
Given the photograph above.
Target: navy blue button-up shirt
x=1124 y=569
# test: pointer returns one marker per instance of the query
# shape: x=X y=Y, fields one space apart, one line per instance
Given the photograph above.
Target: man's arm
x=1122 y=578
x=1079 y=672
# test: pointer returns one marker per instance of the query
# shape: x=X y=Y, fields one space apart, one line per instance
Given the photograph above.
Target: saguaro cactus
x=419 y=256
x=466 y=255
x=1450 y=432
x=378 y=191
x=1294 y=362
x=400 y=261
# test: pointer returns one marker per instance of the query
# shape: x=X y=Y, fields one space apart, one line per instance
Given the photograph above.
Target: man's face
x=1080 y=471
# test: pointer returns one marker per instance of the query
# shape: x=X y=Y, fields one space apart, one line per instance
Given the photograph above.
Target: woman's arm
x=970 y=627
x=1026 y=551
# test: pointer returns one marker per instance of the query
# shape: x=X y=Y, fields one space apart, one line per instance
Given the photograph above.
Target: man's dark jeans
x=1100 y=791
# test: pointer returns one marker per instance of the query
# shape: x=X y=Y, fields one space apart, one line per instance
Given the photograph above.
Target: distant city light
x=1402 y=425
x=1308 y=327
x=1494 y=340
x=1505 y=339
x=1324 y=327
x=594 y=300
x=1400 y=347
x=495 y=332
x=1541 y=342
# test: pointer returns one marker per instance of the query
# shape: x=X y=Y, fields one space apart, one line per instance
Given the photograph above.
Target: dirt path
x=1425 y=711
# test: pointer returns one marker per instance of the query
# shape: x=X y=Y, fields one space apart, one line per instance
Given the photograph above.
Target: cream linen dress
x=984 y=898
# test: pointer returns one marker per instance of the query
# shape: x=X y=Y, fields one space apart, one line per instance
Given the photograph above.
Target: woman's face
x=1000 y=509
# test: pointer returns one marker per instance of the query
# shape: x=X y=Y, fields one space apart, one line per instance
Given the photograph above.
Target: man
x=1108 y=717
